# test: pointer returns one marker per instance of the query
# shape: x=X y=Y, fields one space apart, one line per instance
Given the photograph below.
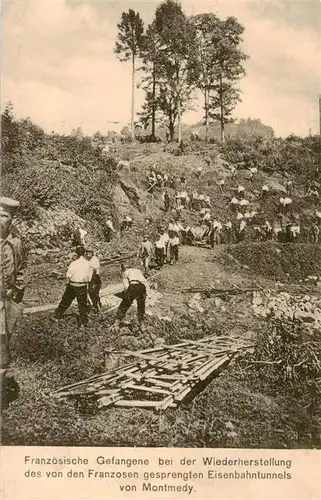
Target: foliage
x=292 y=155
x=285 y=363
x=53 y=171
x=221 y=61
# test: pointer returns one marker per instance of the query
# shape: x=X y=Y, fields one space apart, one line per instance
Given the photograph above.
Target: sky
x=60 y=70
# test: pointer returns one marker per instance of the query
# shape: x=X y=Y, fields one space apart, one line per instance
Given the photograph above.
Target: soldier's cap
x=8 y=205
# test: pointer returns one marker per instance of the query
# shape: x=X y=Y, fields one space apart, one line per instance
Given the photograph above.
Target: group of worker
x=83 y=283
x=245 y=220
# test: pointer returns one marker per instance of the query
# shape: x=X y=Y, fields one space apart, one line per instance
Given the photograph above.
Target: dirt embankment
x=292 y=262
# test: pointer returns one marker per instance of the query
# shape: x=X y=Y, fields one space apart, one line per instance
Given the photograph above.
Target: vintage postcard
x=160 y=216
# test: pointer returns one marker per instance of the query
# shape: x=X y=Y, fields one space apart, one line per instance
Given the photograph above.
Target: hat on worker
x=8 y=205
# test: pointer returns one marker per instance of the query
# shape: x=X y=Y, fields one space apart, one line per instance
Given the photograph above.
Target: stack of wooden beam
x=161 y=377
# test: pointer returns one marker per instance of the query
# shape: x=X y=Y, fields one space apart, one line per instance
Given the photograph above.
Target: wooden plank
x=159 y=382
x=135 y=403
x=108 y=400
x=144 y=388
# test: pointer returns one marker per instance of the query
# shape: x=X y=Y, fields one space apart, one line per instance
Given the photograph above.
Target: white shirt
x=229 y=224
x=110 y=224
x=174 y=241
x=79 y=272
x=132 y=274
x=268 y=225
x=244 y=203
x=295 y=229
x=207 y=216
x=247 y=215
x=165 y=238
x=242 y=225
x=239 y=216
x=160 y=243
x=82 y=233
x=95 y=264
x=285 y=201
x=128 y=219
x=265 y=188
x=240 y=189
x=208 y=199
x=221 y=182
x=234 y=201
x=201 y=197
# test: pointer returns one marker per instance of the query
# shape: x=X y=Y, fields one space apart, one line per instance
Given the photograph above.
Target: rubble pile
x=306 y=308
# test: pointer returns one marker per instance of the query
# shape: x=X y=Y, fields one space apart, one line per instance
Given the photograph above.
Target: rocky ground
x=232 y=411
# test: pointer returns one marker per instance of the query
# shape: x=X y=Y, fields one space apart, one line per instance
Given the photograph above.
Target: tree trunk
x=179 y=122
x=206 y=95
x=132 y=124
x=154 y=104
x=171 y=129
x=221 y=110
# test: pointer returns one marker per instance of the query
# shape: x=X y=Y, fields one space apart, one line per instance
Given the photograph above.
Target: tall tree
x=150 y=53
x=221 y=65
x=176 y=61
x=128 y=47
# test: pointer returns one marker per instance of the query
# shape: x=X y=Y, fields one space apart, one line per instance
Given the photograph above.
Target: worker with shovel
x=134 y=289
x=12 y=287
x=79 y=275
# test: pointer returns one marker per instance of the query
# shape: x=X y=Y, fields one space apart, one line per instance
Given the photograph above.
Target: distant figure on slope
x=166 y=199
x=109 y=229
x=145 y=253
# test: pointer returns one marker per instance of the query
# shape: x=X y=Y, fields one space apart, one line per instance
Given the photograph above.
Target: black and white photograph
x=160 y=219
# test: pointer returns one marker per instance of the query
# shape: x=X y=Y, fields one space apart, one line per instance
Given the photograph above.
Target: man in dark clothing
x=134 y=289
x=166 y=199
x=95 y=283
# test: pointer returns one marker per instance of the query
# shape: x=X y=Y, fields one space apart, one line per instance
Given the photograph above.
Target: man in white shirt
x=173 y=248
x=234 y=203
x=199 y=172
x=264 y=191
x=240 y=190
x=79 y=275
x=159 y=250
x=95 y=283
x=109 y=228
x=241 y=231
x=135 y=285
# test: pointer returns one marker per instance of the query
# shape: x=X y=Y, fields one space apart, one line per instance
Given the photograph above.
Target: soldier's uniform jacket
x=11 y=263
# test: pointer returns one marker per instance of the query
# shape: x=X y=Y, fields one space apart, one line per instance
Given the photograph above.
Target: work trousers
x=135 y=291
x=159 y=256
x=173 y=253
x=93 y=290
x=146 y=263
x=72 y=292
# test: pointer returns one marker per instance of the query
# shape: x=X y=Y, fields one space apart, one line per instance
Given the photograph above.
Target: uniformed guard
x=12 y=287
